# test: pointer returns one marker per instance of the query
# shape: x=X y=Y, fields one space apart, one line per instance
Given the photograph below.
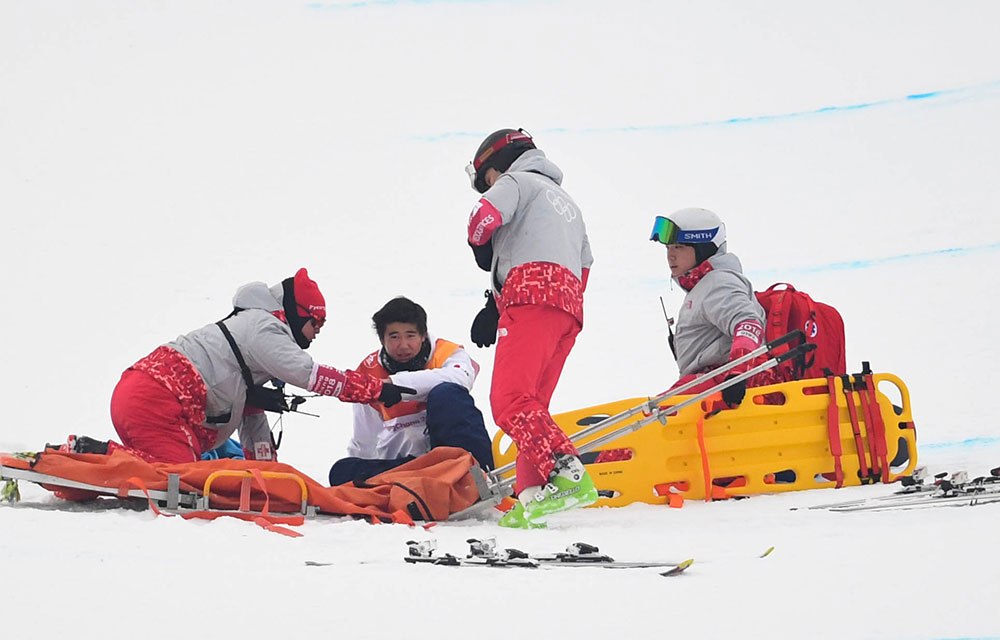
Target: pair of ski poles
x=651 y=410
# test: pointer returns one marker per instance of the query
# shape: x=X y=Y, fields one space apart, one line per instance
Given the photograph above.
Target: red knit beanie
x=309 y=301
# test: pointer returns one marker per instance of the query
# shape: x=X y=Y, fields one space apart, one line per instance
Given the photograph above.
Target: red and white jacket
x=385 y=433
x=541 y=252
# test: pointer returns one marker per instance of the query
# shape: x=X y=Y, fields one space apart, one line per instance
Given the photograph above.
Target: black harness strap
x=236 y=352
x=257 y=395
x=412 y=508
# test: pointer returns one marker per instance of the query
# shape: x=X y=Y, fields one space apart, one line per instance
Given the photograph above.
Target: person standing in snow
x=189 y=395
x=720 y=319
x=529 y=233
x=440 y=413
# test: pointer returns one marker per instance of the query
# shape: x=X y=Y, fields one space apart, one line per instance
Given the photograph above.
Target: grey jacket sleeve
x=504 y=195
x=255 y=437
x=729 y=301
x=275 y=352
x=586 y=257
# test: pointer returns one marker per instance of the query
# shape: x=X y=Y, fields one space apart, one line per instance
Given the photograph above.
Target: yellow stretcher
x=802 y=442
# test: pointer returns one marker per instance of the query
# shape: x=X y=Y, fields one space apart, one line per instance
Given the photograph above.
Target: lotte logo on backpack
x=810 y=328
x=790 y=310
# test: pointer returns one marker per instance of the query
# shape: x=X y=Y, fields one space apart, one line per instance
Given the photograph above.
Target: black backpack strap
x=239 y=356
x=257 y=396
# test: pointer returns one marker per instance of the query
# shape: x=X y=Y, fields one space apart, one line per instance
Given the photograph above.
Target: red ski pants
x=152 y=423
x=534 y=342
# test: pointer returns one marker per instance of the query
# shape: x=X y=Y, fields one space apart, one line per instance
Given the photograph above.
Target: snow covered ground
x=154 y=156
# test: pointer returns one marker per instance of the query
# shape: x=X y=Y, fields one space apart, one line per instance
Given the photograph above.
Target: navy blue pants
x=452 y=421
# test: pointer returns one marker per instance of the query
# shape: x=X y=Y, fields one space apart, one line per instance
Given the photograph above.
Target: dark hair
x=400 y=310
x=703 y=251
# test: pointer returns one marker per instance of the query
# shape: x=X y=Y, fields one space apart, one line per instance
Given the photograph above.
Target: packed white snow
x=154 y=156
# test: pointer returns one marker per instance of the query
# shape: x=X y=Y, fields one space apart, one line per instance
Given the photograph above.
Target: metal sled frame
x=173 y=500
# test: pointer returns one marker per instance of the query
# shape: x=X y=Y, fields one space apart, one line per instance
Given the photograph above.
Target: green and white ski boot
x=569 y=487
x=517 y=519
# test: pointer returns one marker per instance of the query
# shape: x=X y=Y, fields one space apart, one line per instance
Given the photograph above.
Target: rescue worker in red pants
x=191 y=394
x=530 y=235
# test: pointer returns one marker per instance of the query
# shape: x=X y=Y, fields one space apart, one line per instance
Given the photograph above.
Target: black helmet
x=498 y=151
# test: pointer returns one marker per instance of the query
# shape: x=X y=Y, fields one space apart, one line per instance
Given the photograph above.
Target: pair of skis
x=954 y=490
x=485 y=553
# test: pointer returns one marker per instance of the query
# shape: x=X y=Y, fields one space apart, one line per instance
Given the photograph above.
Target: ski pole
x=726 y=366
x=670 y=328
x=660 y=415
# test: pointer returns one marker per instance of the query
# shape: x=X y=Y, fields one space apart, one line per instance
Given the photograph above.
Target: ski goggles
x=666 y=231
x=472 y=169
x=317 y=320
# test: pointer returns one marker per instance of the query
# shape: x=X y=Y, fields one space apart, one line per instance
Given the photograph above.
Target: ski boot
x=569 y=487
x=517 y=519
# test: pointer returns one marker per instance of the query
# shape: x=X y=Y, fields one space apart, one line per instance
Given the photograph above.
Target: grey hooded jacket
x=710 y=312
x=269 y=350
x=541 y=223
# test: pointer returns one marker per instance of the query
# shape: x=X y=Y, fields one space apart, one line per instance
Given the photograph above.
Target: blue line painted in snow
x=786 y=273
x=975 y=92
x=878 y=262
x=366 y=4
x=969 y=443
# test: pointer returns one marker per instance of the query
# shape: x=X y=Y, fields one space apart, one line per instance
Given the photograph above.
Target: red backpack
x=790 y=310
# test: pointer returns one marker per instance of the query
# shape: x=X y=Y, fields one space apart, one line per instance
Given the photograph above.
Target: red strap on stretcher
x=833 y=430
x=856 y=428
x=876 y=426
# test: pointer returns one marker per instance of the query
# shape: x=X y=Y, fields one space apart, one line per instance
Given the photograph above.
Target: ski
x=425 y=552
x=581 y=554
x=913 y=486
x=954 y=490
x=958 y=500
x=679 y=569
x=485 y=553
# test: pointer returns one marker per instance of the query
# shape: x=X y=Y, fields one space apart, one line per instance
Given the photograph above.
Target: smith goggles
x=318 y=320
x=667 y=232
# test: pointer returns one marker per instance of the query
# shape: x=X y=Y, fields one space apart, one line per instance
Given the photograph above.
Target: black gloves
x=733 y=394
x=392 y=394
x=90 y=445
x=483 y=255
x=484 y=327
